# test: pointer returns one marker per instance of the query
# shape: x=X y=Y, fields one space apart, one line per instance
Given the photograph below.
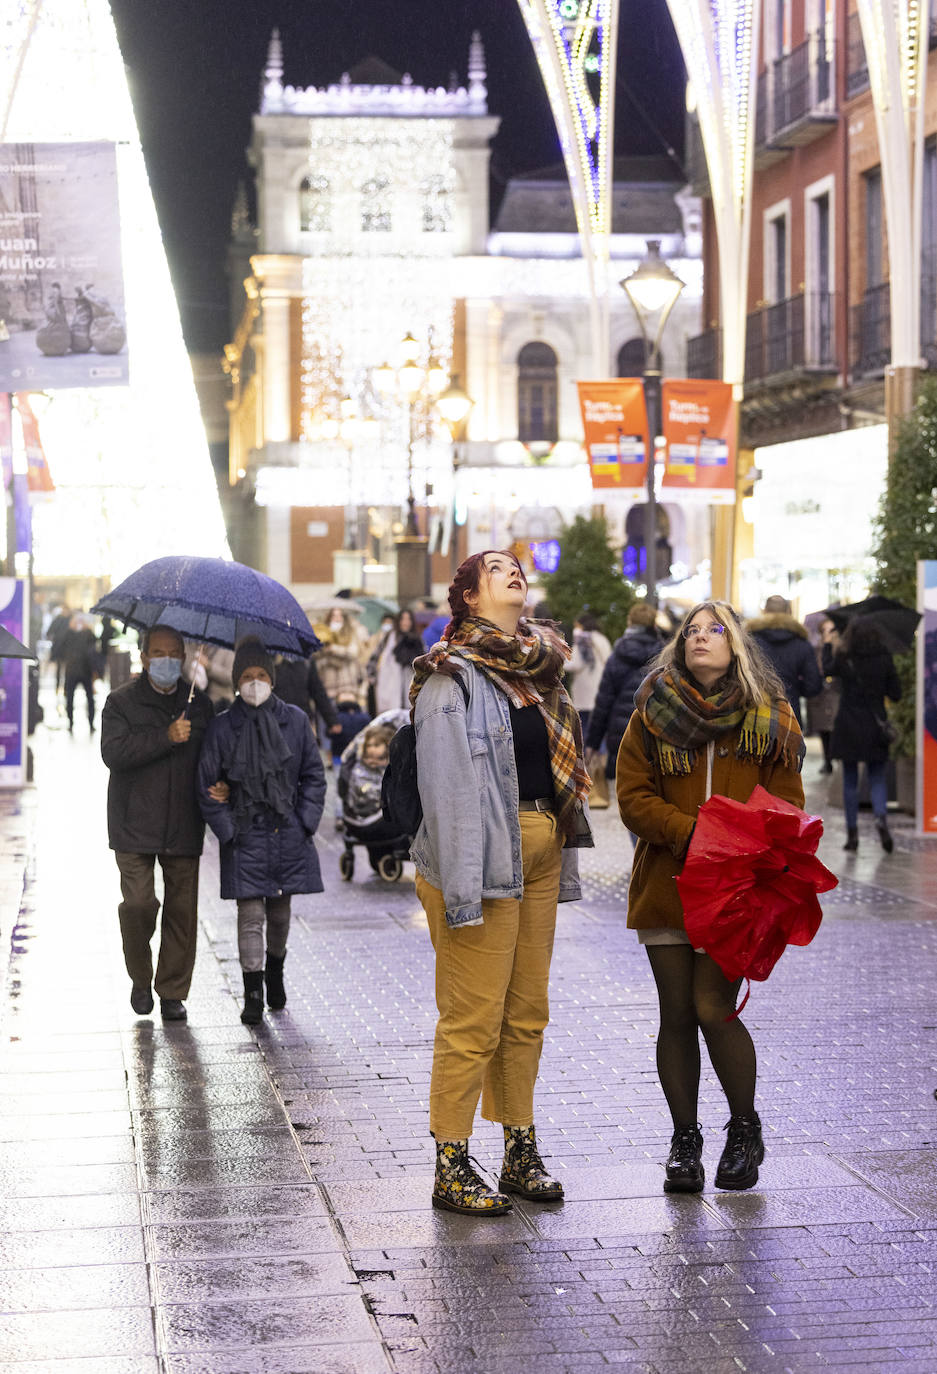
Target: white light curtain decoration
x=363 y=291
x=895 y=34
x=719 y=39
x=131 y=465
x=575 y=43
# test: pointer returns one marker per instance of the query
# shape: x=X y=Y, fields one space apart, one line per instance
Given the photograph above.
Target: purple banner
x=12 y=687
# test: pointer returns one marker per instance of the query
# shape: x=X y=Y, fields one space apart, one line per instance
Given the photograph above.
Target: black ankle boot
x=744 y=1151
x=852 y=840
x=253 y=1012
x=684 y=1168
x=273 y=975
x=884 y=834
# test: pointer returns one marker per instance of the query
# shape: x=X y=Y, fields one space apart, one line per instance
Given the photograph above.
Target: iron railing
x=871 y=331
x=857 y=69
x=704 y=355
x=792 y=335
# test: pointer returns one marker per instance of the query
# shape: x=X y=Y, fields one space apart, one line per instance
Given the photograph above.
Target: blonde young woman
x=710 y=717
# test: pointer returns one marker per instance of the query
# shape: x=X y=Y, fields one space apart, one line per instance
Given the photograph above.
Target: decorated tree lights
x=575 y=43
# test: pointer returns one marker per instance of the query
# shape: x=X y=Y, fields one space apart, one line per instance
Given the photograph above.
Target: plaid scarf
x=527 y=668
x=682 y=721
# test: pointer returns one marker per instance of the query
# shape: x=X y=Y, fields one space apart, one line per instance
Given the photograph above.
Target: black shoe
x=273 y=977
x=884 y=834
x=253 y=1012
x=744 y=1151
x=171 y=1009
x=827 y=768
x=141 y=999
x=852 y=841
x=685 y=1172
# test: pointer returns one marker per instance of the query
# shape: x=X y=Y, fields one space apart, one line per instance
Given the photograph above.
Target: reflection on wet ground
x=201 y=1198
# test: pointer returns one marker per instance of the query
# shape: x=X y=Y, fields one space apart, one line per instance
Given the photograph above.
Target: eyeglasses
x=691 y=631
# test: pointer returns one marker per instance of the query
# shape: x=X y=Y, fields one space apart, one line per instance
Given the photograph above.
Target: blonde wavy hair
x=756 y=676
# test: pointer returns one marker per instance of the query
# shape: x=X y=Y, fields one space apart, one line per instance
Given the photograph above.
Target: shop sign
x=62 y=316
x=614 y=419
x=699 y=425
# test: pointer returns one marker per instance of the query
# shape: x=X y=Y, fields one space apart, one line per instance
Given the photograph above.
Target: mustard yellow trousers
x=492 y=993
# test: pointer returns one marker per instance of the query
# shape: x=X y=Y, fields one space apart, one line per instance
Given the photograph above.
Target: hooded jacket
x=867 y=679
x=276 y=856
x=784 y=642
x=624 y=672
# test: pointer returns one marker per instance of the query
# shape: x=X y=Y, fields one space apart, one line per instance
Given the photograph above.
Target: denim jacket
x=469 y=843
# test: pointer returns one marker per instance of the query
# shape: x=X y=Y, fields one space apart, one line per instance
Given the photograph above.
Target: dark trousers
x=138 y=911
x=72 y=683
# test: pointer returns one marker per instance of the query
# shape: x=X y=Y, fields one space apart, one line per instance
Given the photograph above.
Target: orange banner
x=699 y=426
x=39 y=478
x=614 y=419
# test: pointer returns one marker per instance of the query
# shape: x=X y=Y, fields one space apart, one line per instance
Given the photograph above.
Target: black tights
x=695 y=996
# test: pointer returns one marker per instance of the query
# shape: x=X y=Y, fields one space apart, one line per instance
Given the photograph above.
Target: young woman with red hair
x=502 y=783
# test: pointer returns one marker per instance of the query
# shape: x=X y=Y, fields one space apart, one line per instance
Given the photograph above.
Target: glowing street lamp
x=653 y=289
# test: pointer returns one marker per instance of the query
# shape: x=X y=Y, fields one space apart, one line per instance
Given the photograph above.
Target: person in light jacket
x=590 y=654
x=261 y=788
x=502 y=784
x=711 y=717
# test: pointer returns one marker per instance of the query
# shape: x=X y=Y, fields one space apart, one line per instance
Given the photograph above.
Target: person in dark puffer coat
x=786 y=645
x=261 y=788
x=624 y=671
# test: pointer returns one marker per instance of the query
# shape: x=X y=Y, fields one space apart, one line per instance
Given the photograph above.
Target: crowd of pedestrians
x=512 y=726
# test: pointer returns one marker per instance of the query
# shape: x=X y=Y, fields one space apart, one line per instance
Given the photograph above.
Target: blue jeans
x=878 y=790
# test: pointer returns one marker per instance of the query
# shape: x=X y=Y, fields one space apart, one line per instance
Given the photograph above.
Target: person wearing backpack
x=502 y=784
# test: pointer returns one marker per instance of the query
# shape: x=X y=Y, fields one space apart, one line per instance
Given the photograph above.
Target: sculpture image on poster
x=12 y=687
x=62 y=320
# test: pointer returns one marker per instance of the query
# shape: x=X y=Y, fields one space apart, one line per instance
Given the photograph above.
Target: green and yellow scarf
x=682 y=721
x=527 y=668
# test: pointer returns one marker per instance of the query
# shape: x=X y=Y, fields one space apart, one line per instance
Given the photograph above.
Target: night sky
x=195 y=71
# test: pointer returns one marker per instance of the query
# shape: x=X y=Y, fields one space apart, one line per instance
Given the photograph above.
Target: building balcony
x=857 y=69
x=796 y=100
x=871 y=332
x=704 y=355
x=790 y=338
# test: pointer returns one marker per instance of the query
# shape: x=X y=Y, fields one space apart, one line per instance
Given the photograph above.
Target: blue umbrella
x=211 y=601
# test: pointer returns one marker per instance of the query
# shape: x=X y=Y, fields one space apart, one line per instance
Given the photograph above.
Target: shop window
x=375 y=206
x=315 y=205
x=537 y=394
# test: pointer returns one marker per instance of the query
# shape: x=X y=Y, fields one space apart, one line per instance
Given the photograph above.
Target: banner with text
x=614 y=419
x=699 y=427
x=61 y=279
x=927 y=698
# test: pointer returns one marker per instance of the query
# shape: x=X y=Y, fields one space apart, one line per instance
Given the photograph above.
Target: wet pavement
x=202 y=1199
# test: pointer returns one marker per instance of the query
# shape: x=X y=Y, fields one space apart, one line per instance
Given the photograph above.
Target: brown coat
x=661 y=810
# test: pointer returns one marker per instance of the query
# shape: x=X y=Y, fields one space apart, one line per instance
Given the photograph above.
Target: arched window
x=631 y=358
x=375 y=206
x=315 y=205
x=537 y=394
x=437 y=206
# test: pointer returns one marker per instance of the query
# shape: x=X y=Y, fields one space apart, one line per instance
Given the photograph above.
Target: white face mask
x=255 y=693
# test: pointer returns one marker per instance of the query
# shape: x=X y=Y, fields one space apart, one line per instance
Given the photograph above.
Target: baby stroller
x=359 y=790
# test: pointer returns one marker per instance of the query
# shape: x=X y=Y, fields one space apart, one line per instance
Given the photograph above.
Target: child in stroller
x=359 y=789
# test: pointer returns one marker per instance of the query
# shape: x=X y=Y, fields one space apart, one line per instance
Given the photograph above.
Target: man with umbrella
x=151 y=736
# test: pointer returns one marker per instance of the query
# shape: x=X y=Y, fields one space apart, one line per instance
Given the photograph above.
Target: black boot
x=273 y=974
x=253 y=1012
x=884 y=834
x=744 y=1151
x=852 y=840
x=685 y=1172
x=458 y=1188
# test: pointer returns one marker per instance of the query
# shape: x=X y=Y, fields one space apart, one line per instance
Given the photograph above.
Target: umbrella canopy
x=334 y=603
x=211 y=601
x=10 y=647
x=895 y=622
x=750 y=882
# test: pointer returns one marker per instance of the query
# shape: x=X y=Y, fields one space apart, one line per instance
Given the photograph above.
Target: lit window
x=375 y=206
x=537 y=394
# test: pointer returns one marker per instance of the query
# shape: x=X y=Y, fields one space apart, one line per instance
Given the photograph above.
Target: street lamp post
x=653 y=289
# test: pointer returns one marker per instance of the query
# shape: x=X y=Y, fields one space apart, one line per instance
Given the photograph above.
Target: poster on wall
x=13 y=681
x=614 y=420
x=62 y=317
x=927 y=698
x=699 y=426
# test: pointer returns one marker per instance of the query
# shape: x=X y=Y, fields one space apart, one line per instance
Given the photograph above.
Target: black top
x=531 y=753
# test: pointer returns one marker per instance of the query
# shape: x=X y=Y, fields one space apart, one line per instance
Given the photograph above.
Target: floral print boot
x=523 y=1170
x=458 y=1188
